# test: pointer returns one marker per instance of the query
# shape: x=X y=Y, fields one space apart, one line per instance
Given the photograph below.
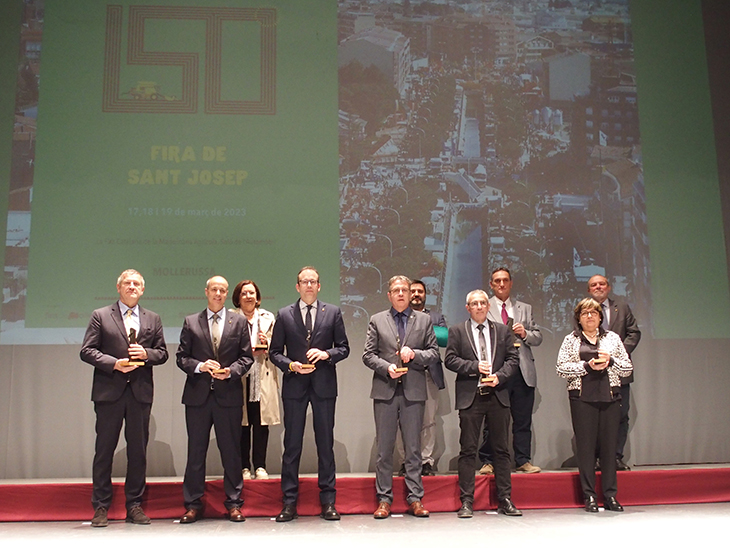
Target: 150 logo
x=149 y=97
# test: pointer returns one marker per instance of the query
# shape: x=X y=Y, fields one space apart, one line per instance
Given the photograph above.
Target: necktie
x=505 y=317
x=216 y=334
x=308 y=320
x=483 y=343
x=401 y=317
x=128 y=319
x=604 y=323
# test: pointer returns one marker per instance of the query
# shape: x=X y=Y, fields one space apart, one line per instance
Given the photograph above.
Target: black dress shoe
x=329 y=512
x=466 y=510
x=191 y=516
x=621 y=466
x=591 y=504
x=427 y=470
x=288 y=513
x=137 y=516
x=613 y=505
x=507 y=508
x=100 y=518
x=235 y=515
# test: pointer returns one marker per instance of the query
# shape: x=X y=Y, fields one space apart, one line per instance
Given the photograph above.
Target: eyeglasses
x=476 y=304
x=586 y=313
x=308 y=282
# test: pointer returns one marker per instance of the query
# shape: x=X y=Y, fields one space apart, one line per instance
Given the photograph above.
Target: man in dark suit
x=308 y=340
x=214 y=353
x=617 y=317
x=483 y=355
x=399 y=347
x=122 y=391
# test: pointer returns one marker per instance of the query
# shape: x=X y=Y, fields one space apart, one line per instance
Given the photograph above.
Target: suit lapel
x=470 y=338
x=390 y=320
x=318 y=319
x=493 y=313
x=205 y=329
x=296 y=313
x=517 y=311
x=613 y=312
x=116 y=314
x=144 y=326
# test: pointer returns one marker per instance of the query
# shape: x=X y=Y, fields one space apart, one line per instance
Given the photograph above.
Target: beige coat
x=270 y=409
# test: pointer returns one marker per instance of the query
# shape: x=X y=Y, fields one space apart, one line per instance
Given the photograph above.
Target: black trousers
x=470 y=422
x=109 y=419
x=323 y=421
x=522 y=400
x=227 y=423
x=595 y=424
x=260 y=438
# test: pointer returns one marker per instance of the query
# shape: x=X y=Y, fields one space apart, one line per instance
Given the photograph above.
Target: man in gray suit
x=400 y=346
x=617 y=317
x=483 y=356
x=521 y=388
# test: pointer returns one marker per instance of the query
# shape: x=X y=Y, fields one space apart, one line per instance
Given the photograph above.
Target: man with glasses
x=308 y=340
x=483 y=356
x=399 y=347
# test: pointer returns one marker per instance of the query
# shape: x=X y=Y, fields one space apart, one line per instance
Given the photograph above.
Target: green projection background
x=186 y=140
x=183 y=141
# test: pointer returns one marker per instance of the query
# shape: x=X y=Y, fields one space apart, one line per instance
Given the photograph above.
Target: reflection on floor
x=671 y=525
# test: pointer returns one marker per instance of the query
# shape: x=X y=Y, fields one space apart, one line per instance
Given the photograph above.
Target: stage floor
x=663 y=525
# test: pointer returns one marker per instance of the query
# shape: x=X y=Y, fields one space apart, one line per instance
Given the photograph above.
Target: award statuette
x=133 y=340
x=400 y=367
x=309 y=345
x=483 y=378
x=259 y=345
x=518 y=341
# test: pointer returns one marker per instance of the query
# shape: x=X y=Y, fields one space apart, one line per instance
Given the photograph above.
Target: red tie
x=505 y=317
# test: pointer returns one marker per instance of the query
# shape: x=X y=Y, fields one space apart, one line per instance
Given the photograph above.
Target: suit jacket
x=462 y=358
x=106 y=340
x=381 y=349
x=289 y=344
x=623 y=323
x=522 y=313
x=437 y=370
x=234 y=351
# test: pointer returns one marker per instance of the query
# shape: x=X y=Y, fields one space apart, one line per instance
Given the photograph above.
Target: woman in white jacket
x=593 y=361
x=260 y=385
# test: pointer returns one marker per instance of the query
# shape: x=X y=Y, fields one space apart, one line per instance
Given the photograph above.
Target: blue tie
x=401 y=316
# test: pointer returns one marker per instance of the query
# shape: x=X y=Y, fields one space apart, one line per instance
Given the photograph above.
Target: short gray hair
x=472 y=294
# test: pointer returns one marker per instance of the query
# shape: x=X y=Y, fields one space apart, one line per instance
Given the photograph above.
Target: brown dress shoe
x=383 y=510
x=234 y=514
x=417 y=509
x=191 y=516
x=137 y=516
x=100 y=518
